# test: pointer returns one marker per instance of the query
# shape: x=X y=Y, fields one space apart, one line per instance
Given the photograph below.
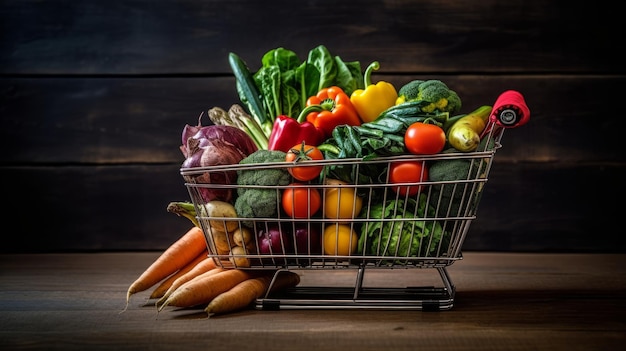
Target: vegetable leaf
x=321 y=58
x=401 y=230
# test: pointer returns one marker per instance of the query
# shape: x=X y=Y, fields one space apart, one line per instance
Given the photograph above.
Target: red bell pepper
x=335 y=108
x=288 y=132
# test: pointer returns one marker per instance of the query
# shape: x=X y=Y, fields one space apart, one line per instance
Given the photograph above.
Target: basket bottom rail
x=423 y=298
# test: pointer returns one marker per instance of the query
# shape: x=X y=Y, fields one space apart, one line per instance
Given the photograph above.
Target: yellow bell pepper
x=375 y=98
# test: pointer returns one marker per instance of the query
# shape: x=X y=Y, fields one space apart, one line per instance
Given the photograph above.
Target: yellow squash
x=464 y=134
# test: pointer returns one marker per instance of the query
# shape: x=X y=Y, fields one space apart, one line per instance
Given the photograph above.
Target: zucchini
x=464 y=133
x=246 y=88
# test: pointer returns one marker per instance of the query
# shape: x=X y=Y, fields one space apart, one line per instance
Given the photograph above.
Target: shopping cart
x=423 y=231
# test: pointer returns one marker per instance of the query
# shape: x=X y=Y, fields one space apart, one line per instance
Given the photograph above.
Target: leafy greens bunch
x=283 y=83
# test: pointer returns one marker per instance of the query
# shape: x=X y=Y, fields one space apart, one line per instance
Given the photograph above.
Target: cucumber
x=247 y=89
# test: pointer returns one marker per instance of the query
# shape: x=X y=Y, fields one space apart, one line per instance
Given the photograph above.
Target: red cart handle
x=510 y=110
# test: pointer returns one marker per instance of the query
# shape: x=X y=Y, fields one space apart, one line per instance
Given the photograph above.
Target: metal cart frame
x=452 y=218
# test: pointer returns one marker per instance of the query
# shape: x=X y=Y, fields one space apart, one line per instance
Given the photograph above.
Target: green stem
x=255 y=131
x=184 y=209
x=367 y=76
x=307 y=110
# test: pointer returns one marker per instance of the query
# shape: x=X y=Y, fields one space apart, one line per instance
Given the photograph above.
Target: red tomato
x=302 y=152
x=424 y=138
x=408 y=172
x=301 y=201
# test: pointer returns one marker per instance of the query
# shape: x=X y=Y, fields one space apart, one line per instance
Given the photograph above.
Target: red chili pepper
x=288 y=132
x=335 y=109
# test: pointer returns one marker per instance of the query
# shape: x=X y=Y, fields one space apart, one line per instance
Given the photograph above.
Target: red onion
x=233 y=135
x=213 y=145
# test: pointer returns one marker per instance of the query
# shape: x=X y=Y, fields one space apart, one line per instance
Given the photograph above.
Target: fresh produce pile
x=274 y=189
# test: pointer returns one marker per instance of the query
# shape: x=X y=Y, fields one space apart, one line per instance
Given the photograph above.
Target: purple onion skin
x=205 y=146
x=308 y=239
x=235 y=136
x=274 y=240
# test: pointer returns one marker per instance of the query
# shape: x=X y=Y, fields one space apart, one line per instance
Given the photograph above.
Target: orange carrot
x=240 y=296
x=160 y=290
x=284 y=280
x=175 y=257
x=205 y=268
x=201 y=290
x=244 y=293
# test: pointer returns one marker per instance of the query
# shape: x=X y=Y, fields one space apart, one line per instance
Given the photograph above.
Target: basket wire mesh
x=423 y=230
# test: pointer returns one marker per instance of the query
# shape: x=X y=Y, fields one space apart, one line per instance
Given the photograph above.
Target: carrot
x=201 y=290
x=244 y=293
x=198 y=277
x=175 y=257
x=240 y=296
x=207 y=265
x=160 y=290
x=284 y=280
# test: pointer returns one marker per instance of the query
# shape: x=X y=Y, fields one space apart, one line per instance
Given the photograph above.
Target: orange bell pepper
x=334 y=109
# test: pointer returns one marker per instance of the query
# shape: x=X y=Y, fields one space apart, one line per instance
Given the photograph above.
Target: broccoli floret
x=454 y=102
x=434 y=91
x=257 y=203
x=410 y=90
x=254 y=202
x=263 y=156
x=438 y=93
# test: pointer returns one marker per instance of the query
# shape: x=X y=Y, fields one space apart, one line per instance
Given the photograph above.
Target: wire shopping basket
x=421 y=228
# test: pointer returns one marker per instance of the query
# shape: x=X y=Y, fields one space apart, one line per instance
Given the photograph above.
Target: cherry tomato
x=302 y=152
x=408 y=172
x=424 y=138
x=301 y=201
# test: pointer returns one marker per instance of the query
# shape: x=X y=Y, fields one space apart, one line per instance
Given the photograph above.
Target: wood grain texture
x=193 y=37
x=94 y=96
x=524 y=208
x=140 y=120
x=503 y=302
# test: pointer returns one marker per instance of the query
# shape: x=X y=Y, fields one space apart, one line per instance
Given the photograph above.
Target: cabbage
x=399 y=228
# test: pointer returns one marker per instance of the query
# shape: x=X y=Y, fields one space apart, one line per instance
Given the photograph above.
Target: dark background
x=94 y=96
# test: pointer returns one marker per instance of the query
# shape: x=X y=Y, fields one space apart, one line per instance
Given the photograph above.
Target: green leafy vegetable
x=283 y=83
x=400 y=228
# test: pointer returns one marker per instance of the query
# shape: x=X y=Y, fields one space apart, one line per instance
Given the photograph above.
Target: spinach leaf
x=290 y=101
x=268 y=80
x=285 y=59
x=321 y=58
x=349 y=76
x=308 y=80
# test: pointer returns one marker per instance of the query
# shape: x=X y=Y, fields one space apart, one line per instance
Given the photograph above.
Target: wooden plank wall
x=94 y=96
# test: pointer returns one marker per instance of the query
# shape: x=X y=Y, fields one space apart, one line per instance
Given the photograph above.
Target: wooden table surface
x=504 y=301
